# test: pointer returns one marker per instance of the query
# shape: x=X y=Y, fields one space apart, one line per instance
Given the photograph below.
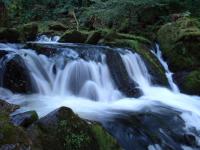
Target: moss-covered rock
x=180 y=42
x=24 y=119
x=105 y=140
x=7 y=107
x=10 y=35
x=189 y=82
x=11 y=137
x=74 y=36
x=16 y=76
x=62 y=129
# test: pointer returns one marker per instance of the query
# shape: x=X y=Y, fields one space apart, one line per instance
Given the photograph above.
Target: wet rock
x=159 y=125
x=24 y=119
x=62 y=129
x=3 y=53
x=16 y=76
x=45 y=49
x=190 y=139
x=188 y=82
x=10 y=35
x=120 y=75
x=74 y=37
x=11 y=137
x=7 y=107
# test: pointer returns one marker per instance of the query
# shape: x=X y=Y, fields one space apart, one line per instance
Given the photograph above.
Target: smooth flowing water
x=88 y=88
x=157 y=52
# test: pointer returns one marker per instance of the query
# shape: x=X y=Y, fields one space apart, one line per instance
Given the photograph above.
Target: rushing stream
x=87 y=86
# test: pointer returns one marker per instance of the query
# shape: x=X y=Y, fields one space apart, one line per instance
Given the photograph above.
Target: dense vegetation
x=108 y=12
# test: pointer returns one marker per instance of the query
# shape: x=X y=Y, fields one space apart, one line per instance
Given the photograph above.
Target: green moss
x=73 y=135
x=105 y=141
x=192 y=82
x=180 y=44
x=11 y=134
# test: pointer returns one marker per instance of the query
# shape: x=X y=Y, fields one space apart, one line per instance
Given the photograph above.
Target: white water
x=87 y=88
x=137 y=70
x=46 y=39
x=157 y=52
x=80 y=78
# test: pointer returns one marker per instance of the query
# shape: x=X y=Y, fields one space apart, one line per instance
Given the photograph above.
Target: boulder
x=180 y=43
x=62 y=129
x=11 y=136
x=154 y=125
x=120 y=75
x=16 y=76
x=24 y=119
x=6 y=107
x=74 y=37
x=188 y=82
x=10 y=35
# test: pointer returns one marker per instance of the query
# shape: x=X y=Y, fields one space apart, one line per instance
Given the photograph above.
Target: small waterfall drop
x=157 y=52
x=46 y=39
x=137 y=70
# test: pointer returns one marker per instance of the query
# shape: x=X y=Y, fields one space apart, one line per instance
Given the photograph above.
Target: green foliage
x=33 y=10
x=105 y=140
x=192 y=82
x=121 y=14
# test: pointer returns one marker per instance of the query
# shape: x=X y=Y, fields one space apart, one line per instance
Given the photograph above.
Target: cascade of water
x=157 y=52
x=87 y=87
x=137 y=70
x=82 y=78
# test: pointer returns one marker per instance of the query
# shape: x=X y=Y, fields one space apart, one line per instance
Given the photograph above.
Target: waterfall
x=82 y=78
x=87 y=86
x=137 y=70
x=157 y=52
